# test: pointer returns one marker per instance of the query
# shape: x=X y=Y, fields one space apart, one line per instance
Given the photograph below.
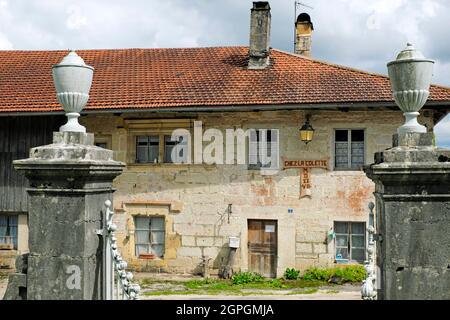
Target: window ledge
x=347 y=173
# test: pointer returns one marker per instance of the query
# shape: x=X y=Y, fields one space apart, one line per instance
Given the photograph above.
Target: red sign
x=305 y=175
x=288 y=164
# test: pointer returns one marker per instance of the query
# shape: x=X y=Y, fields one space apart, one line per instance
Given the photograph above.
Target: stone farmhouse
x=173 y=217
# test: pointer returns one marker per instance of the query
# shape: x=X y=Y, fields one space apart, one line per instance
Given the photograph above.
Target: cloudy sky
x=365 y=34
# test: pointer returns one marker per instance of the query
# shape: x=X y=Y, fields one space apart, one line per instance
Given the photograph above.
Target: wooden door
x=262 y=247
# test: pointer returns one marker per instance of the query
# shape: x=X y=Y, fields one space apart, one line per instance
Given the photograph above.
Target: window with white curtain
x=8 y=231
x=350 y=241
x=149 y=235
x=349 y=149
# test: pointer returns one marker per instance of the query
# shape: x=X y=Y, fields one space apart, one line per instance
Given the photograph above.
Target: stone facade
x=194 y=199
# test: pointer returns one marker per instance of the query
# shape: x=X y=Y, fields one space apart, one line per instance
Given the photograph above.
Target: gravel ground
x=320 y=295
x=345 y=292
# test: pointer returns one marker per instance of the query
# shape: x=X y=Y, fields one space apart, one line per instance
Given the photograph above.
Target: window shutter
x=274 y=151
x=253 y=148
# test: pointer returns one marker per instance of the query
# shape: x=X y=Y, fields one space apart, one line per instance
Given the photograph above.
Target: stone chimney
x=303 y=33
x=259 y=35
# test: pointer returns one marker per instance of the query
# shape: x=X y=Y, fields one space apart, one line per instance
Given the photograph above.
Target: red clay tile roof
x=208 y=77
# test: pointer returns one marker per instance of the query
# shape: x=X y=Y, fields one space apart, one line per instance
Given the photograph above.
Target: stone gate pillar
x=413 y=218
x=69 y=183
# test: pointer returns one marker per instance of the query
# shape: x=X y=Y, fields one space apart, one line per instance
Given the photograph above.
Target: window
x=149 y=236
x=350 y=241
x=169 y=145
x=148 y=149
x=103 y=145
x=103 y=140
x=349 y=149
x=260 y=156
x=8 y=231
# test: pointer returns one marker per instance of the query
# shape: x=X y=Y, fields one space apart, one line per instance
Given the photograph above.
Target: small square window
x=149 y=236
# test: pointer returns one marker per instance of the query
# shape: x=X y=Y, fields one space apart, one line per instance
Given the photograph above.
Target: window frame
x=350 y=246
x=9 y=225
x=150 y=230
x=103 y=139
x=349 y=148
x=161 y=148
x=259 y=165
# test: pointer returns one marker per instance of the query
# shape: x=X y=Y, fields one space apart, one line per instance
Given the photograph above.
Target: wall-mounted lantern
x=73 y=80
x=307 y=131
x=410 y=75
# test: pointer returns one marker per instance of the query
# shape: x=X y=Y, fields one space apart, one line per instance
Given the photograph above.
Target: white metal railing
x=368 y=289
x=117 y=281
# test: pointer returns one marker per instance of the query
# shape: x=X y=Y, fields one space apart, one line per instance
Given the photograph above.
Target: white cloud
x=5 y=44
x=76 y=20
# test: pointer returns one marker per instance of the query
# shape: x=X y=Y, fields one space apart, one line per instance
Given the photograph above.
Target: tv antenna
x=296 y=5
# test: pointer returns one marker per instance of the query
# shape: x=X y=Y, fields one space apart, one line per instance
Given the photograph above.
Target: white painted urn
x=410 y=75
x=73 y=79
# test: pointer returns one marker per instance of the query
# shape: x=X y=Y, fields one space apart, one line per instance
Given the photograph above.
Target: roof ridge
x=122 y=49
x=340 y=66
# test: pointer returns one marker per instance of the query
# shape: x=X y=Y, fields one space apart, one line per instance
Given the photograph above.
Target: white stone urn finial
x=410 y=75
x=73 y=80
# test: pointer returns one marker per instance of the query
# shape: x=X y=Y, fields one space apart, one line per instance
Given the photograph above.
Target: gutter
x=212 y=109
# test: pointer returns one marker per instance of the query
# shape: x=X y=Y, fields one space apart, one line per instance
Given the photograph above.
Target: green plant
x=276 y=283
x=317 y=274
x=351 y=273
x=291 y=274
x=346 y=274
x=246 y=277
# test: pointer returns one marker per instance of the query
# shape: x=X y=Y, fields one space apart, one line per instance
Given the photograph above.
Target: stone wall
x=194 y=198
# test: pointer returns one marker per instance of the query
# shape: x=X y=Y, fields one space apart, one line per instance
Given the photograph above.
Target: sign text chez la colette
x=305 y=173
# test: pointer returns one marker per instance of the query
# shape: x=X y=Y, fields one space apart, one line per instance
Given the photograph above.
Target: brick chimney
x=303 y=34
x=259 y=35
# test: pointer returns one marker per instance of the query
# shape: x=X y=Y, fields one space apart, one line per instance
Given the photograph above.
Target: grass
x=245 y=283
x=307 y=291
x=348 y=274
x=266 y=284
x=224 y=293
x=227 y=287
